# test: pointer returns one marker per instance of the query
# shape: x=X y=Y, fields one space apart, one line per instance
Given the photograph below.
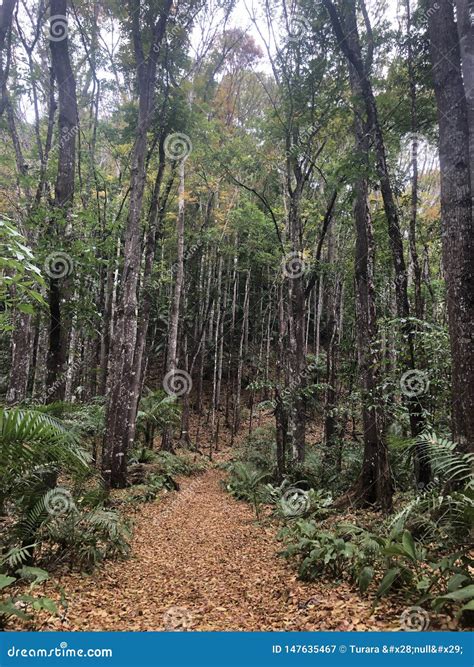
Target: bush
x=23 y=605
x=48 y=523
x=259 y=449
x=184 y=464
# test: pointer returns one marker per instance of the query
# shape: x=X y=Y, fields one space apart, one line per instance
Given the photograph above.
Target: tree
x=122 y=349
x=457 y=225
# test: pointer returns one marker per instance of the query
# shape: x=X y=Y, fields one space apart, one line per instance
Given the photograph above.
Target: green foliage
x=148 y=492
x=82 y=419
x=346 y=550
x=21 y=279
x=24 y=604
x=244 y=483
x=309 y=502
x=85 y=538
x=389 y=562
x=142 y=455
x=49 y=523
x=156 y=411
x=259 y=449
x=30 y=444
x=182 y=464
x=444 y=510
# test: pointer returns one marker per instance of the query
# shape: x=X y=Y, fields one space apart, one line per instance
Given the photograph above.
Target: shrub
x=259 y=449
x=23 y=605
x=46 y=522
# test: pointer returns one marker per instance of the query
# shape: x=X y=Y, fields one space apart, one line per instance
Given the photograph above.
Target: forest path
x=201 y=562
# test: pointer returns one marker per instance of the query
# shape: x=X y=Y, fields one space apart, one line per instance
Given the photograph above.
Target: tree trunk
x=172 y=352
x=60 y=266
x=457 y=228
x=118 y=434
x=374 y=486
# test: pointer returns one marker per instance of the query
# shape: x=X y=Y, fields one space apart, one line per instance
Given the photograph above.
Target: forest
x=236 y=315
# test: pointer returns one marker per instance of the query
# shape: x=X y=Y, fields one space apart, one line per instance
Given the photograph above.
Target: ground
x=201 y=562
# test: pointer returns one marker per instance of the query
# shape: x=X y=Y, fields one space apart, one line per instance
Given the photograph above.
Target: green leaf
x=34 y=574
x=409 y=544
x=6 y=581
x=468 y=607
x=8 y=608
x=26 y=308
x=365 y=577
x=461 y=594
x=49 y=605
x=456 y=581
x=387 y=582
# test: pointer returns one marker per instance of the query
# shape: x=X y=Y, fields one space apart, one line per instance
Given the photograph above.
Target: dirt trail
x=201 y=562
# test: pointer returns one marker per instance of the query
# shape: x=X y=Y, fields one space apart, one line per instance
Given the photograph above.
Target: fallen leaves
x=203 y=563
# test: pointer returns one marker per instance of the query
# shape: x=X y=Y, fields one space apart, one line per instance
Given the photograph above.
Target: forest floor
x=200 y=561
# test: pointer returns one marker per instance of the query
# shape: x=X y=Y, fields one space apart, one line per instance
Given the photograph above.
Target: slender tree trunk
x=60 y=285
x=118 y=433
x=457 y=227
x=172 y=352
x=374 y=486
x=240 y=360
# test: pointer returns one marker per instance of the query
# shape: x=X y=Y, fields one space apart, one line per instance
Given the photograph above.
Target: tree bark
x=60 y=287
x=374 y=486
x=122 y=349
x=457 y=228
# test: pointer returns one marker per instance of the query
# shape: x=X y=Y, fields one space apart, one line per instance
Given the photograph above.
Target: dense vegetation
x=247 y=246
